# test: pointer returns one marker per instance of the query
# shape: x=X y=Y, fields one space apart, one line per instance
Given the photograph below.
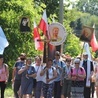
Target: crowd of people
x=62 y=77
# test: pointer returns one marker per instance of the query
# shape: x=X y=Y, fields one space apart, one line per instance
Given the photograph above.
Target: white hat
x=77 y=61
x=85 y=53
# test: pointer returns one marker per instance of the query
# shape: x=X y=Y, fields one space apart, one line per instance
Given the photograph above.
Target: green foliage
x=72 y=46
x=10 y=13
x=89 y=6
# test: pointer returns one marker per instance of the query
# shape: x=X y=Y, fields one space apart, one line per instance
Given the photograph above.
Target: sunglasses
x=68 y=61
x=77 y=63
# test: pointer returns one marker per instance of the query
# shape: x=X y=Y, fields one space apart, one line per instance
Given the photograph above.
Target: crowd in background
x=62 y=77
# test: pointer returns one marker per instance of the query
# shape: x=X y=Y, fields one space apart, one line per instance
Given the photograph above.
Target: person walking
x=16 y=78
x=4 y=75
x=65 y=80
x=28 y=74
x=39 y=79
x=49 y=73
x=88 y=66
x=77 y=75
x=58 y=64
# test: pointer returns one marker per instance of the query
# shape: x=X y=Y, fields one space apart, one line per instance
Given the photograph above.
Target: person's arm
x=7 y=73
x=22 y=70
x=43 y=71
x=62 y=74
x=13 y=74
x=32 y=75
x=92 y=70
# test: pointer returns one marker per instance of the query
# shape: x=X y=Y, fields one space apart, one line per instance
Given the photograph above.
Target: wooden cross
x=46 y=42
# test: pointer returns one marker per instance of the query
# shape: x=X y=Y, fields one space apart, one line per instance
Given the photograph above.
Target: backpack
x=60 y=62
x=80 y=69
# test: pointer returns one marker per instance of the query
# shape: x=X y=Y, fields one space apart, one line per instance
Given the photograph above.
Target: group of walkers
x=60 y=78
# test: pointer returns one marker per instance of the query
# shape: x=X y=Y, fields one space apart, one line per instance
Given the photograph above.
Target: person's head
x=50 y=62
x=1 y=59
x=68 y=61
x=55 y=32
x=78 y=57
x=77 y=63
x=38 y=60
x=85 y=56
x=28 y=61
x=57 y=55
x=22 y=56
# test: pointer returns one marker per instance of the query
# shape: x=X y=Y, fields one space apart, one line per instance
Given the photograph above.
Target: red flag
x=43 y=25
x=38 y=44
x=93 y=43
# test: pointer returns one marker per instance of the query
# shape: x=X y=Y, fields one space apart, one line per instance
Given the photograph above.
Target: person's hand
x=12 y=80
x=6 y=81
x=27 y=76
x=74 y=78
x=46 y=69
x=61 y=83
x=48 y=80
x=56 y=66
x=89 y=78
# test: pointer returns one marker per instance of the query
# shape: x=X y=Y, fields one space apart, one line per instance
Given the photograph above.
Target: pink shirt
x=3 y=74
x=79 y=71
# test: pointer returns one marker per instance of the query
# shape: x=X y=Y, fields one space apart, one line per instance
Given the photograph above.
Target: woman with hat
x=77 y=75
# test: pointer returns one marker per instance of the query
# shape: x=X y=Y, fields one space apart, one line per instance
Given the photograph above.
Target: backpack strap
x=61 y=64
x=5 y=65
x=81 y=69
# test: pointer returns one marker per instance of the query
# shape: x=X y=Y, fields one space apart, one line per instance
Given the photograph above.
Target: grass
x=9 y=91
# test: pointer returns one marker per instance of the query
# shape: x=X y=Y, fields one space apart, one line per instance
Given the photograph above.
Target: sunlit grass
x=9 y=92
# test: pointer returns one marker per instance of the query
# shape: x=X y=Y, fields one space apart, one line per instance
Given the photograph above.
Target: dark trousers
x=17 y=84
x=2 y=86
x=86 y=92
x=57 y=89
x=92 y=88
x=38 y=89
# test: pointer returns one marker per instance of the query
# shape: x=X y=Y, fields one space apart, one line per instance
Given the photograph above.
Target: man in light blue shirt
x=58 y=64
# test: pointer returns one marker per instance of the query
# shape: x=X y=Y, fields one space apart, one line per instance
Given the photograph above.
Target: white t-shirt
x=38 y=69
x=50 y=72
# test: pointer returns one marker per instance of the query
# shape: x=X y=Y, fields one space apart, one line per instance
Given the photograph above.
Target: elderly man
x=88 y=66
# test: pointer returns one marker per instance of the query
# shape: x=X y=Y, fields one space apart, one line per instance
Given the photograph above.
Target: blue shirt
x=60 y=64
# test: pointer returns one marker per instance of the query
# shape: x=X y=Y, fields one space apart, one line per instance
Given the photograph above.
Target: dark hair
x=49 y=59
x=57 y=53
x=38 y=57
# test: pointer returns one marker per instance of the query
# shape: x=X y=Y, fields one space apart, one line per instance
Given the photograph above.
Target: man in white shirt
x=38 y=67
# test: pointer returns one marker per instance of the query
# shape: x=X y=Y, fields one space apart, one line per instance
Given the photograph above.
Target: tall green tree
x=10 y=14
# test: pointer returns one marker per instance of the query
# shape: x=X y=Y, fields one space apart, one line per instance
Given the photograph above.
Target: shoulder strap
x=71 y=70
x=81 y=69
x=52 y=68
x=5 y=65
x=64 y=69
x=61 y=64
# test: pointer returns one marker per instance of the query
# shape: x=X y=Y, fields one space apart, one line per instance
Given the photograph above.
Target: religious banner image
x=86 y=34
x=57 y=32
x=24 y=24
